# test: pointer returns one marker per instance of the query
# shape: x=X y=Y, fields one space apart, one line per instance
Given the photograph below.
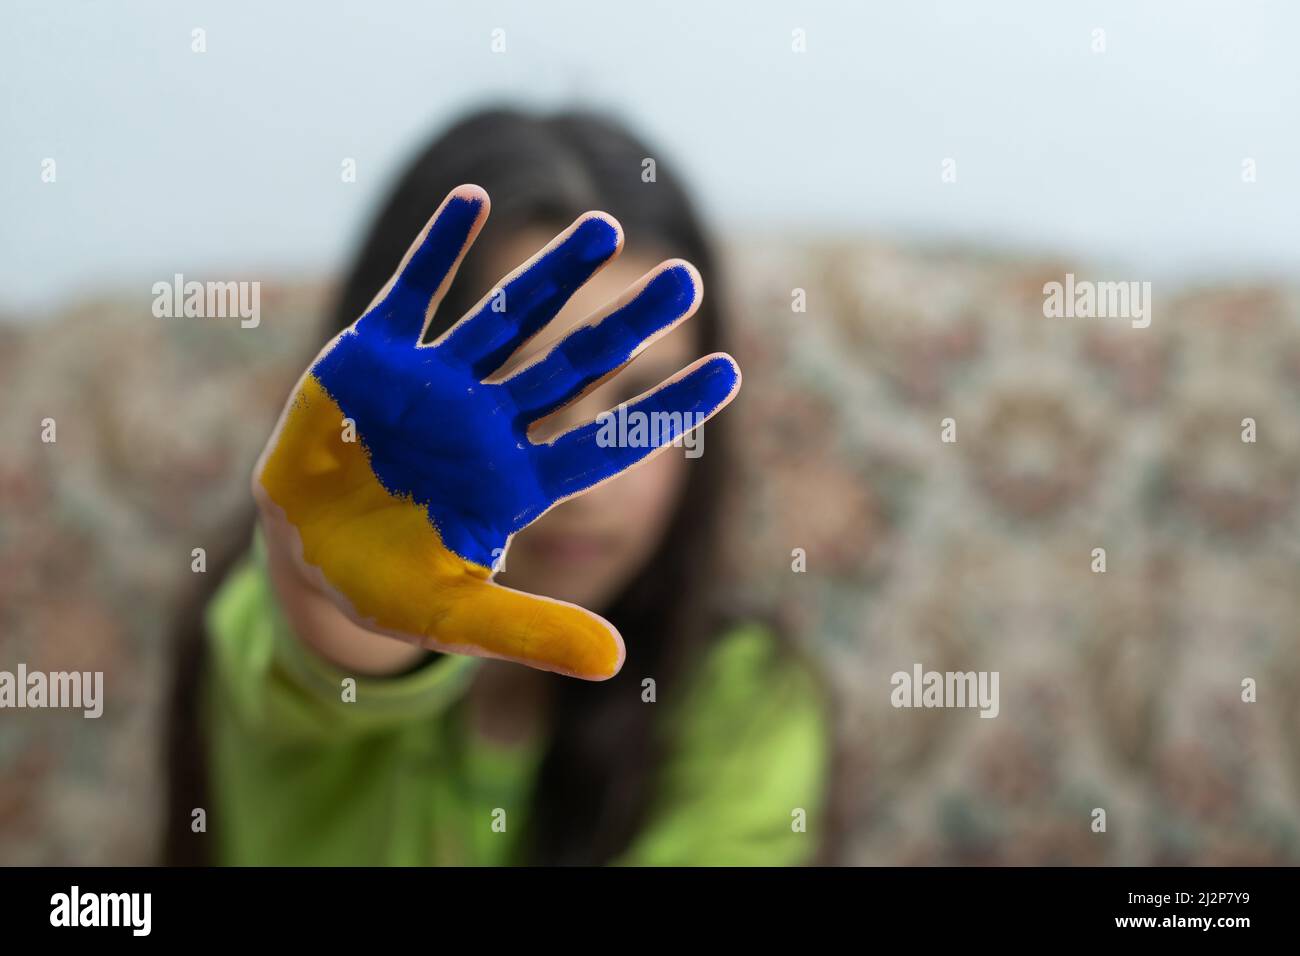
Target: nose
x=571 y=416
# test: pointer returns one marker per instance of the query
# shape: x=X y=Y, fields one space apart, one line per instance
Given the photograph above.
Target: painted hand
x=399 y=471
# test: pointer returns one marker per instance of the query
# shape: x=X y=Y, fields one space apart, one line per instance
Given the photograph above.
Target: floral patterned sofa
x=1119 y=690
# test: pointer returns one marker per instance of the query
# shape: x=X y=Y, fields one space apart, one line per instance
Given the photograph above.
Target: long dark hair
x=597 y=777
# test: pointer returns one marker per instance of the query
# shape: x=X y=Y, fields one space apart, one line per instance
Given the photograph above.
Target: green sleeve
x=281 y=692
x=301 y=776
x=752 y=750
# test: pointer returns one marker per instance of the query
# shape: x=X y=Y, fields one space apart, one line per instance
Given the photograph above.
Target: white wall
x=228 y=161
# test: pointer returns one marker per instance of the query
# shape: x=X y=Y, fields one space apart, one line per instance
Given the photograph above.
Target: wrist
x=315 y=617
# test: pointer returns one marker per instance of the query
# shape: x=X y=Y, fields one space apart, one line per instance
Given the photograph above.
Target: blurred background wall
x=1161 y=149
x=171 y=160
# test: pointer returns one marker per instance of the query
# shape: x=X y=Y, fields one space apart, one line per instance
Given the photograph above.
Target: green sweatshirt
x=400 y=777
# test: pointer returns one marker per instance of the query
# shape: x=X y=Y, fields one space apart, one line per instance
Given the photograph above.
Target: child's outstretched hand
x=399 y=471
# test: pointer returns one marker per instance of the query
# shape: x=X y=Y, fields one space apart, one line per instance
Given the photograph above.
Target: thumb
x=488 y=619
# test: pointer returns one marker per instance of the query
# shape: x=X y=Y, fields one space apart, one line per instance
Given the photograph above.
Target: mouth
x=570 y=547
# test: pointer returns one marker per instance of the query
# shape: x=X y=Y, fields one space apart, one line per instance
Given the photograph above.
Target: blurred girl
x=711 y=744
